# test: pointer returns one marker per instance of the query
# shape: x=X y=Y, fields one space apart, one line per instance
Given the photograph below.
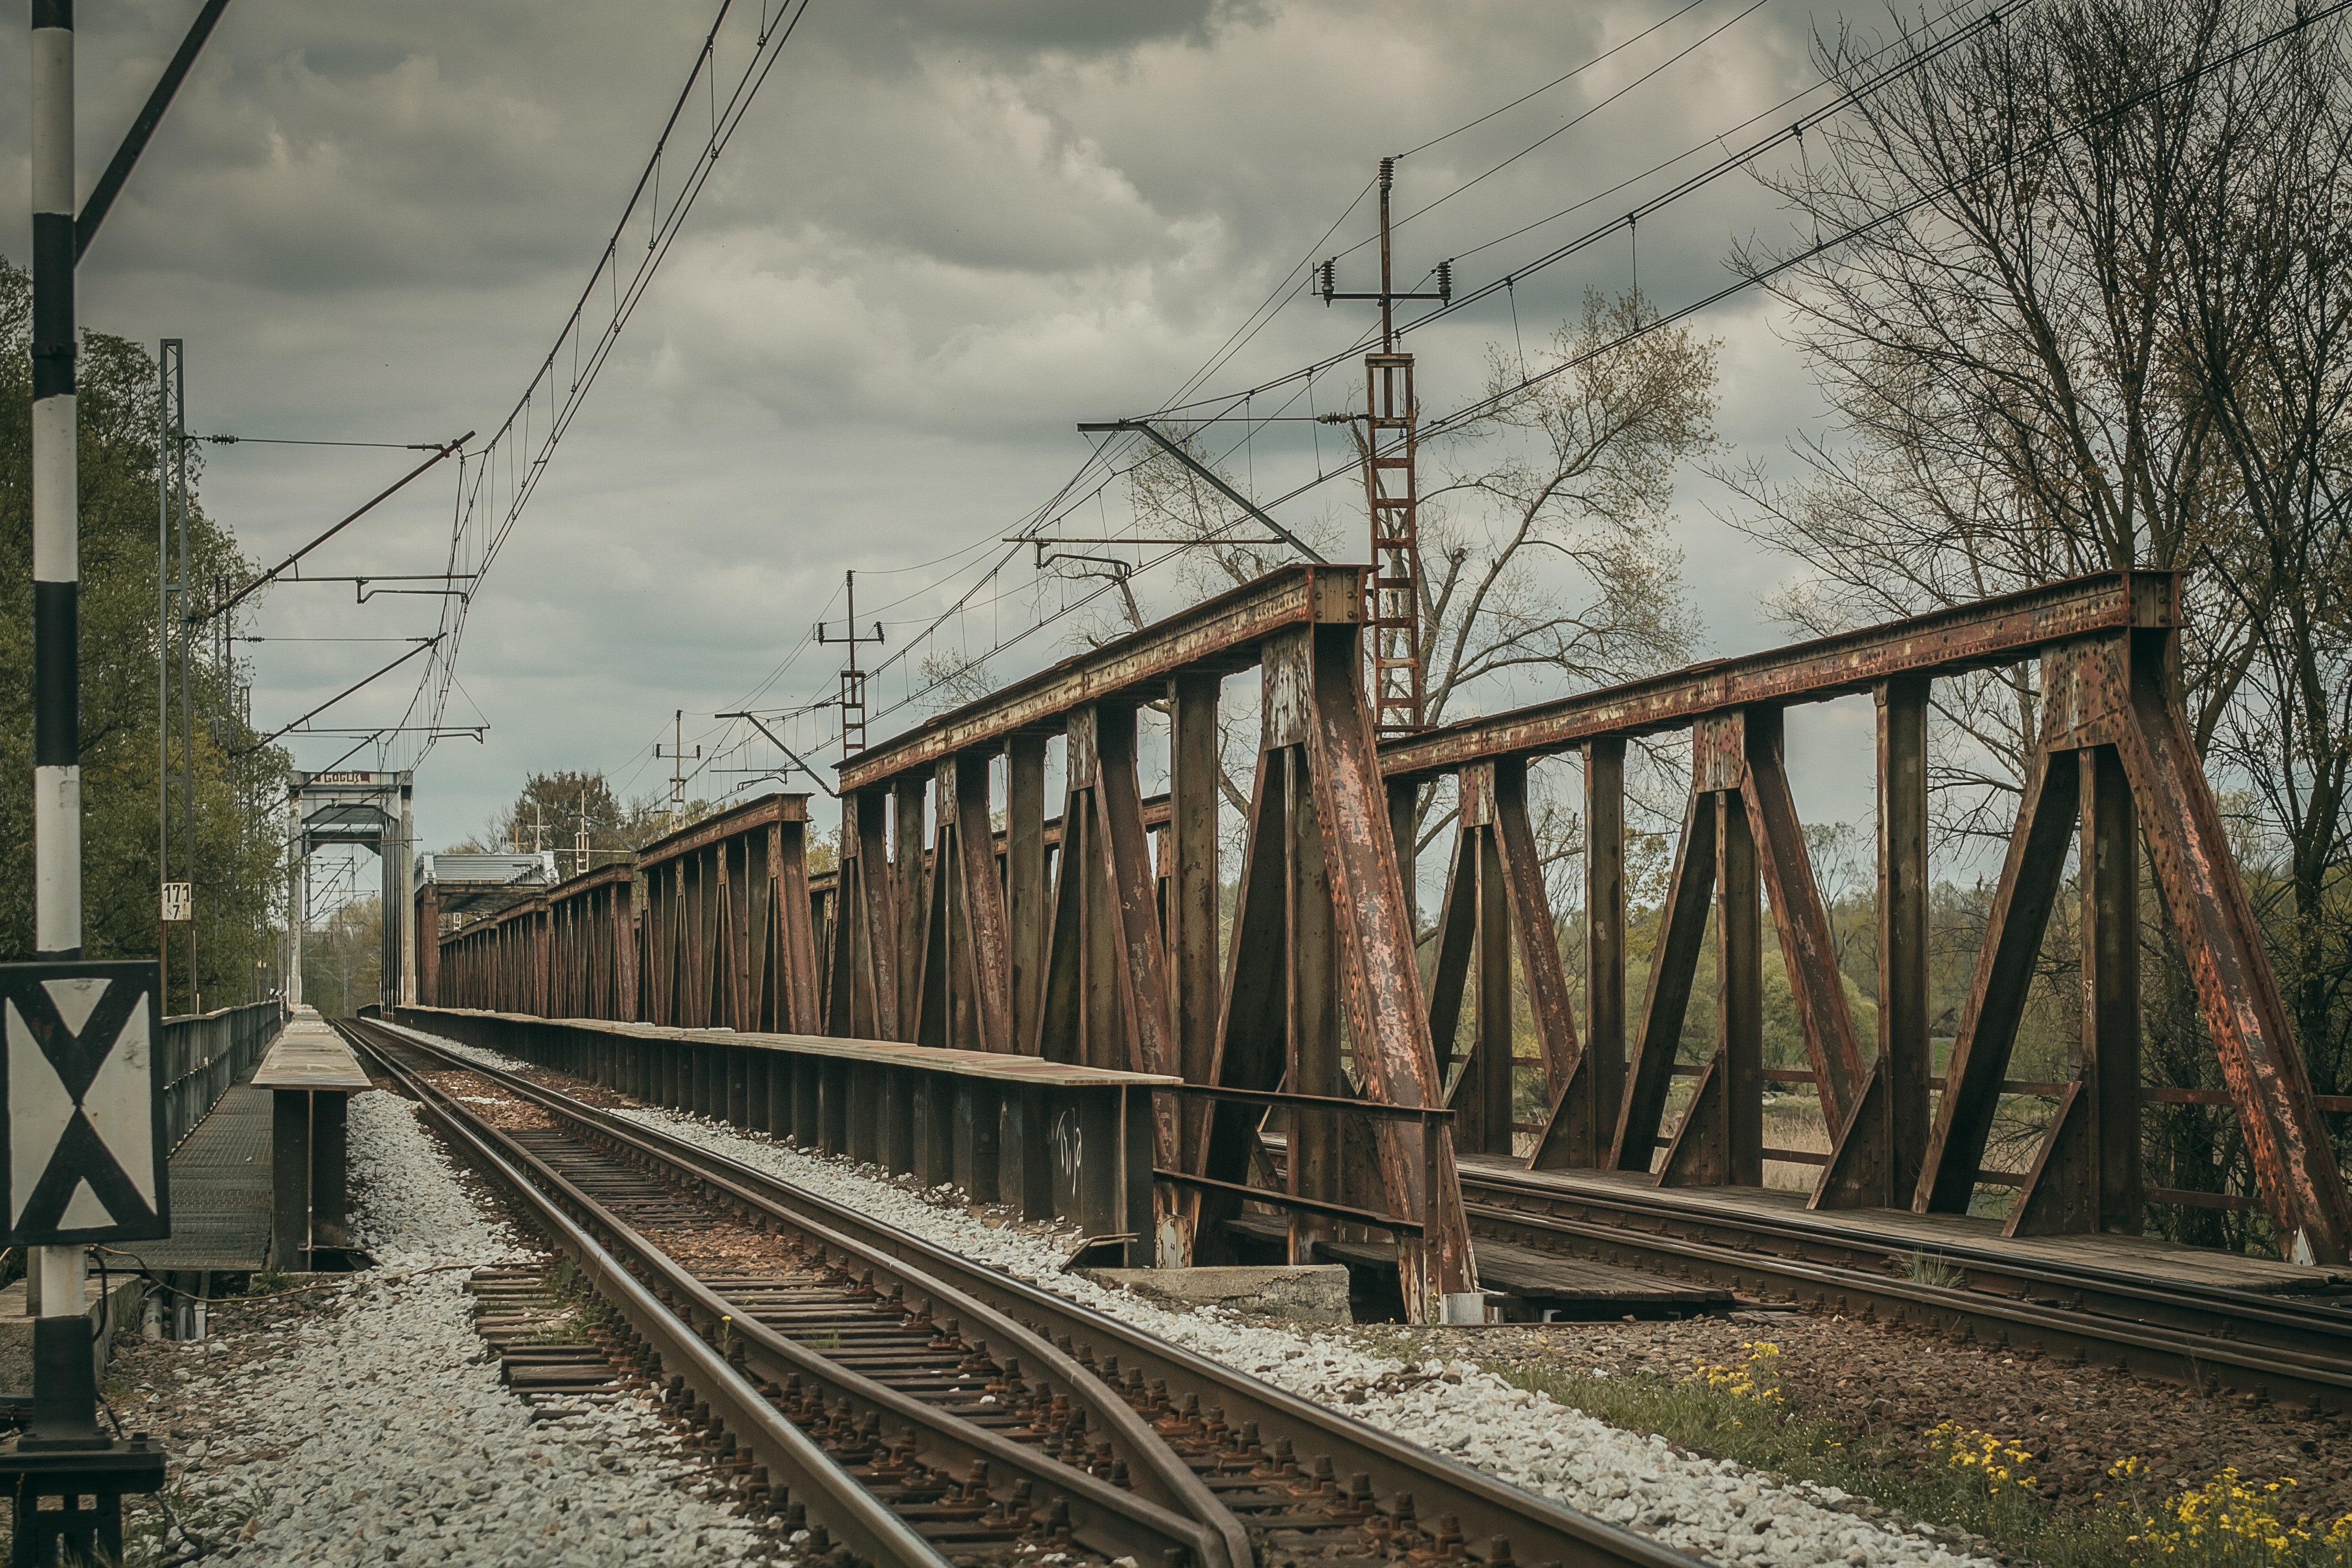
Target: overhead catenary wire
x=1103 y=455
x=1255 y=322
x=1731 y=163
x=516 y=457
x=1757 y=278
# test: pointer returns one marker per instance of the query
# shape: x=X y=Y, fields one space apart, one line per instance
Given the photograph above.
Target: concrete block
x=120 y=1311
x=1309 y=1292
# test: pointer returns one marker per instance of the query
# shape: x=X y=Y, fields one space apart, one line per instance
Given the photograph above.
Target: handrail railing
x=200 y=1055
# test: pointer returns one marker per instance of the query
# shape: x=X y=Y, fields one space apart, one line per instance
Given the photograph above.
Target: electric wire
x=490 y=510
x=1756 y=279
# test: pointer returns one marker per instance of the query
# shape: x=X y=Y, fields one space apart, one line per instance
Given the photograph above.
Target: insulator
x=1388 y=172
x=1445 y=280
x=1327 y=279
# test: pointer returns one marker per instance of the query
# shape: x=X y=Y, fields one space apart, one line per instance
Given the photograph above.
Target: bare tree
x=2105 y=328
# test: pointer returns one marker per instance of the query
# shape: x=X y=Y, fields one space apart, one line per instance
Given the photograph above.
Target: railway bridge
x=1312 y=1084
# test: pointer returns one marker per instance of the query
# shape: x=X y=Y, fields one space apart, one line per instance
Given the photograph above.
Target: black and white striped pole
x=82 y=1154
x=56 y=726
x=56 y=572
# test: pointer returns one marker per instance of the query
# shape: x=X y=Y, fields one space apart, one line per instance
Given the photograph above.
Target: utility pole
x=175 y=632
x=1389 y=447
x=677 y=759
x=853 y=679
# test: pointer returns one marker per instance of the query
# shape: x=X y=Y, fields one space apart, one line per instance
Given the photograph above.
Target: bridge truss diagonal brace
x=1321 y=960
x=1754 y=840
x=1380 y=977
x=1495 y=901
x=2237 y=990
x=2109 y=707
x=965 y=989
x=862 y=994
x=1107 y=1000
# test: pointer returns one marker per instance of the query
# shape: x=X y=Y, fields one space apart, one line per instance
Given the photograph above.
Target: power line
x=510 y=466
x=1755 y=279
x=1252 y=325
x=1728 y=164
x=1629 y=43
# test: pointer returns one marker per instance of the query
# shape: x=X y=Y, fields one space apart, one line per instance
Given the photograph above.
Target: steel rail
x=855 y=1516
x=2025 y=1324
x=1536 y=1530
x=1204 y=1532
x=2316 y=1329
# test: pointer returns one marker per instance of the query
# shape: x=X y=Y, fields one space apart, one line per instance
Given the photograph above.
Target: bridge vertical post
x=1192 y=894
x=1604 y=930
x=1903 y=1003
x=909 y=890
x=1025 y=882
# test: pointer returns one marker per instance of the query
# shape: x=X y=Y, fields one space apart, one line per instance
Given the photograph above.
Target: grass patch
x=1933 y=1269
x=1979 y=1482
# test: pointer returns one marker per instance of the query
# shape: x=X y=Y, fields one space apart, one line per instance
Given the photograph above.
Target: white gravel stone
x=1709 y=1507
x=380 y=1432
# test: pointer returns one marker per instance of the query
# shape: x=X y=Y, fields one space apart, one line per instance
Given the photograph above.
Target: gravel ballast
x=1709 y=1507
x=368 y=1425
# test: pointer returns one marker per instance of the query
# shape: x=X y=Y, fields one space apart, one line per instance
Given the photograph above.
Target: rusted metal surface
x=1674 y=966
x=501 y=962
x=1225 y=629
x=1721 y=1139
x=1988 y=632
x=2086 y=1176
x=2029 y=878
x=1190 y=842
x=593 y=946
x=2189 y=850
x=966 y=984
x=1823 y=1020
x=1381 y=980
x=1086 y=941
x=725 y=941
x=1874 y=1160
x=1496 y=905
x=1106 y=999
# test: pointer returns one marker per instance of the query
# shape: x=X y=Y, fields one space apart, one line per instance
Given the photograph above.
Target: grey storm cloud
x=947 y=231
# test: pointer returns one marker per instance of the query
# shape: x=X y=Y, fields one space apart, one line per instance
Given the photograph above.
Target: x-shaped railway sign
x=81 y=1145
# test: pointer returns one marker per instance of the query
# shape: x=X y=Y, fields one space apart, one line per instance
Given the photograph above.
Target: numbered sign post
x=179 y=901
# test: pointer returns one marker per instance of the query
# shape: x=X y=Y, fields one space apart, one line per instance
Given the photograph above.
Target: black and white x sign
x=84 y=1155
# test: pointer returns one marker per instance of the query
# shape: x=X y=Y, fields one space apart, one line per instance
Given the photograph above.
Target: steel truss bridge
x=1093 y=937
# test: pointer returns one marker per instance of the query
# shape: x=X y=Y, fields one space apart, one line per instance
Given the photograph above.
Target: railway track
x=921 y=1409
x=2232 y=1342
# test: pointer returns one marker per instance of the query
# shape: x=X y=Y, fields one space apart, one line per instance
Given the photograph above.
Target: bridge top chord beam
x=1976 y=636
x=701 y=835
x=1220 y=634
x=572 y=888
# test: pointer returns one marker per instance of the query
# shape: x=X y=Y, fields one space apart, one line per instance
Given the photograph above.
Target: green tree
x=239 y=856
x=343 y=958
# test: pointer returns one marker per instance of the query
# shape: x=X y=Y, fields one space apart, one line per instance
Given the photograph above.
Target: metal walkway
x=220 y=1189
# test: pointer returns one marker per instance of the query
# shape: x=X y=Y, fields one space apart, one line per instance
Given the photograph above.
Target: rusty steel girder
x=1218 y=634
x=1081 y=941
x=591 y=960
x=498 y=963
x=2115 y=760
x=1990 y=632
x=725 y=941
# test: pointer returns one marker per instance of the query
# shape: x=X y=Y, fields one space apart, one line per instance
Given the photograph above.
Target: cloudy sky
x=946 y=231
